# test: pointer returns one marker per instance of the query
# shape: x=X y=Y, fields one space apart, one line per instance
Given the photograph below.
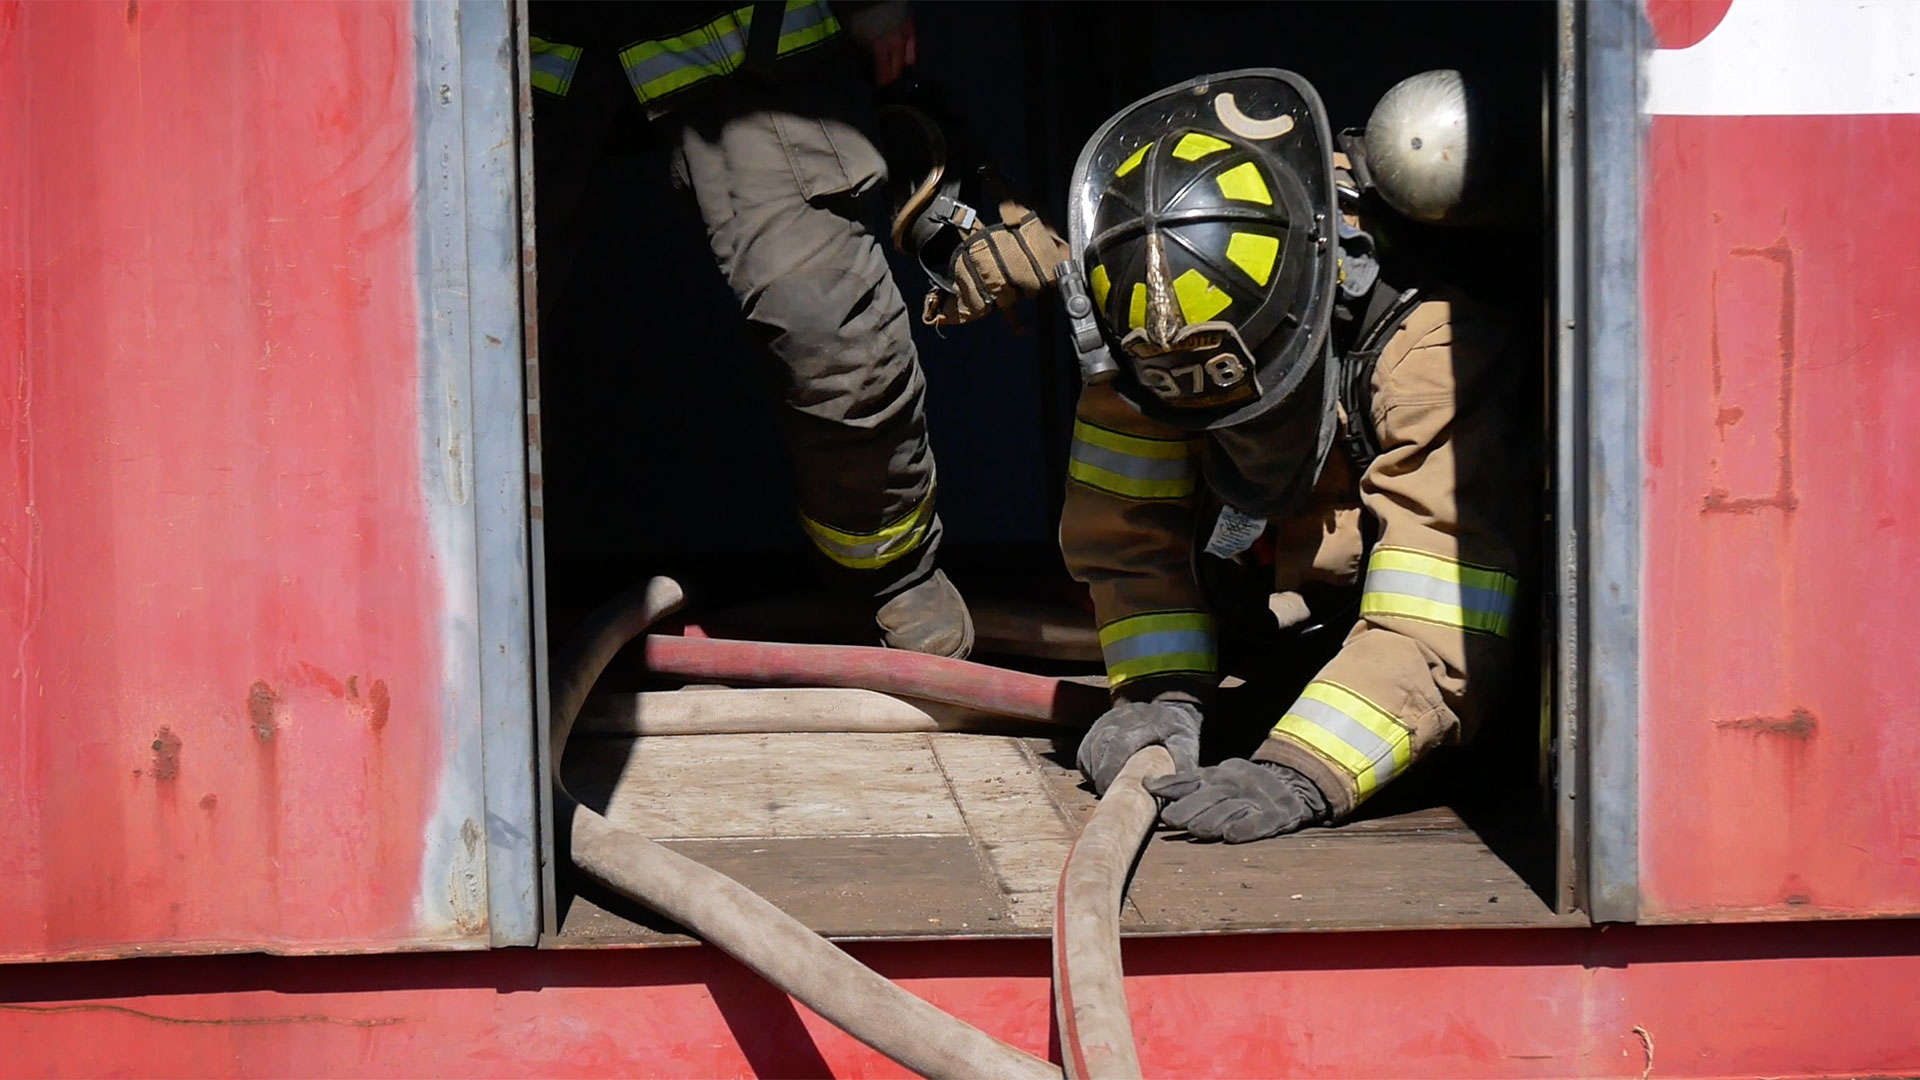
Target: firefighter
x=764 y=111
x=1295 y=425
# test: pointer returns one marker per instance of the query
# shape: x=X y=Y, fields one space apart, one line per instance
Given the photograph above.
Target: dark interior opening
x=661 y=451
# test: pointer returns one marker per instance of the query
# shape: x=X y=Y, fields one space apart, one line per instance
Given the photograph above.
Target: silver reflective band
x=1351 y=732
x=1130 y=465
x=1408 y=583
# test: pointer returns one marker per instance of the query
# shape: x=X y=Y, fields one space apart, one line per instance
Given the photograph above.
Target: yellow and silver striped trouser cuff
x=552 y=65
x=663 y=67
x=1158 y=643
x=1130 y=466
x=869 y=551
x=1432 y=588
x=1358 y=738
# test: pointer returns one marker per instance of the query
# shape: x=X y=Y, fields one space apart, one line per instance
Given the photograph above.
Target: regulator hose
x=731 y=917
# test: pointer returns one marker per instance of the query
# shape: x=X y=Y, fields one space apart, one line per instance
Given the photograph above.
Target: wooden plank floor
x=940 y=835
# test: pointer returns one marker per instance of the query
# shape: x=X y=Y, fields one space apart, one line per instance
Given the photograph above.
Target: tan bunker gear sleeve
x=1125 y=531
x=1448 y=492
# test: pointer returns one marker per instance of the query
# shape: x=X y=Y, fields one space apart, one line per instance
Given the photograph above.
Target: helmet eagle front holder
x=1202 y=223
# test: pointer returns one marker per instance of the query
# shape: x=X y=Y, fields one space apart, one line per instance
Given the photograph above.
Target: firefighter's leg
x=1449 y=491
x=780 y=183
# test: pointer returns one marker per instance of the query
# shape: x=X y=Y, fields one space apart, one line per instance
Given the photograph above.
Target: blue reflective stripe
x=1157 y=643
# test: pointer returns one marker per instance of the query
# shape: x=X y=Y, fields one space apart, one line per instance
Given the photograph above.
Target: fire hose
x=1096 y=1034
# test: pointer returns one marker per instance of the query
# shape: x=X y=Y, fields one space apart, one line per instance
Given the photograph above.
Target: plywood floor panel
x=937 y=835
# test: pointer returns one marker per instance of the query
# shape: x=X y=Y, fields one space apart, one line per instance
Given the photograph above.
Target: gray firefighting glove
x=1132 y=726
x=1239 y=800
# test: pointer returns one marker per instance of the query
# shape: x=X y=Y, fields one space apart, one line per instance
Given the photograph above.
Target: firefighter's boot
x=928 y=618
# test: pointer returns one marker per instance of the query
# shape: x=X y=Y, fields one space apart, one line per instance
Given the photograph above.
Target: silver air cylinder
x=1421 y=143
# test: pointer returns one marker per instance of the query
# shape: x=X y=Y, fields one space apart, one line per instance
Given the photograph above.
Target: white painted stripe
x=1794 y=58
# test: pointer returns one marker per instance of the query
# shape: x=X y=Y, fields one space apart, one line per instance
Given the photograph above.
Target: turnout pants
x=780 y=173
x=1448 y=496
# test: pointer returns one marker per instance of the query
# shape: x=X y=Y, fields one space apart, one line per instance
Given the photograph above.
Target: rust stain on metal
x=209 y=801
x=1798 y=724
x=261 y=701
x=1783 y=498
x=213 y=1021
x=353 y=688
x=466 y=893
x=314 y=676
x=166 y=754
x=133 y=11
x=379 y=703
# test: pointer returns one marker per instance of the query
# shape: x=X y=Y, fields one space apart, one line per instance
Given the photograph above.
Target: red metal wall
x=1819 y=1000
x=1779 y=753
x=219 y=662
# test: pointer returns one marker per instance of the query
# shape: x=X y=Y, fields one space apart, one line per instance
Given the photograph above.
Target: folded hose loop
x=1090 y=1000
x=731 y=917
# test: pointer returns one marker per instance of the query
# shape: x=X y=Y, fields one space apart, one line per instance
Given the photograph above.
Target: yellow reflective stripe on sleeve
x=1357 y=736
x=807 y=23
x=551 y=65
x=1419 y=585
x=1130 y=466
x=665 y=66
x=868 y=551
x=1158 y=643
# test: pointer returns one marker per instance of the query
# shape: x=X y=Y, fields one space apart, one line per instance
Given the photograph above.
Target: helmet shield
x=1202 y=218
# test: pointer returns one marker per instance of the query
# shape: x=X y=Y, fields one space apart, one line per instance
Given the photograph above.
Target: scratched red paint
x=1778 y=744
x=211 y=520
x=1813 y=1000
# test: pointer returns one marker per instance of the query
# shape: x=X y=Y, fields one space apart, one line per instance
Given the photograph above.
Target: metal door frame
x=471 y=334
x=1600 y=405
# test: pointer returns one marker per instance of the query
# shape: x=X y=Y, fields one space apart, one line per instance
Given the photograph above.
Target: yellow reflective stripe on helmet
x=1137 y=307
x=1432 y=588
x=551 y=65
x=1357 y=736
x=665 y=66
x=867 y=551
x=1199 y=300
x=1158 y=643
x=1243 y=183
x=1101 y=284
x=1194 y=146
x=1254 y=254
x=1130 y=466
x=806 y=23
x=1133 y=161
